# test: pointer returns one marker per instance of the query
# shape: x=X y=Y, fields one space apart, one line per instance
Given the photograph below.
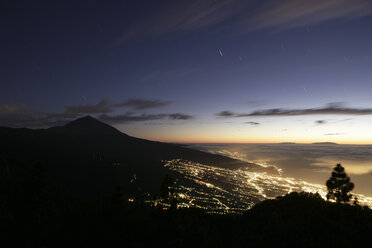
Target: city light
x=222 y=190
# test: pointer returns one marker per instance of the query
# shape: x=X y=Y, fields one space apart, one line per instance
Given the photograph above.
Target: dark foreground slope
x=306 y=220
x=91 y=157
x=295 y=220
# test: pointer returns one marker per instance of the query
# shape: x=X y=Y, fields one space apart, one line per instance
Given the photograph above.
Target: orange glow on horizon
x=356 y=133
x=252 y=141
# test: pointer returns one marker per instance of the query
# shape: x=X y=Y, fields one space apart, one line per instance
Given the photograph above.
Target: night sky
x=191 y=71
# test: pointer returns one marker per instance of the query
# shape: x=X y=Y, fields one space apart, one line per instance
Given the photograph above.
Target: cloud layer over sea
x=309 y=162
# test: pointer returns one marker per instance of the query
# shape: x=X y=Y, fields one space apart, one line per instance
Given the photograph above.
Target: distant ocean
x=309 y=162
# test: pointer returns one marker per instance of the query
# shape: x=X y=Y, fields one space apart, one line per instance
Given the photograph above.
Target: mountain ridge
x=87 y=125
x=87 y=155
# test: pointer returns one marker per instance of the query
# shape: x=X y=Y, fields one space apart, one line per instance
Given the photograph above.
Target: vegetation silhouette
x=35 y=211
x=166 y=188
x=55 y=219
x=339 y=185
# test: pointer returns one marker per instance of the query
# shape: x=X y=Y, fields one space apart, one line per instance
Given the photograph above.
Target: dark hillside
x=88 y=154
x=306 y=220
x=295 y=220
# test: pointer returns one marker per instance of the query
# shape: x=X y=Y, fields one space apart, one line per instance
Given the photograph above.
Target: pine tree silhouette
x=339 y=185
x=166 y=187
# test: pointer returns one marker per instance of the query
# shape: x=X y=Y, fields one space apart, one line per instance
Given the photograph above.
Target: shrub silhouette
x=339 y=185
x=166 y=187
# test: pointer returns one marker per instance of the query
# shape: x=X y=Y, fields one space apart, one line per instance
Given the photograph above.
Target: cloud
x=140 y=104
x=312 y=163
x=226 y=113
x=182 y=16
x=242 y=16
x=34 y=119
x=24 y=116
x=159 y=123
x=252 y=123
x=41 y=120
x=287 y=14
x=312 y=111
x=129 y=117
x=14 y=108
x=125 y=118
x=102 y=107
x=179 y=116
x=328 y=110
x=332 y=134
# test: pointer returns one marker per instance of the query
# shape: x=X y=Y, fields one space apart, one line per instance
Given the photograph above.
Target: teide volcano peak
x=87 y=155
x=90 y=125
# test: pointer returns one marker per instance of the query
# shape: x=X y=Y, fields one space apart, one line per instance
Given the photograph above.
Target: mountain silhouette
x=324 y=143
x=91 y=126
x=87 y=155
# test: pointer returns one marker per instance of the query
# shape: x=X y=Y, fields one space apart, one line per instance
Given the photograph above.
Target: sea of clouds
x=309 y=162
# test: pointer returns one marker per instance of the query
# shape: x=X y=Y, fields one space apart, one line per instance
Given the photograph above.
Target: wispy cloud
x=287 y=14
x=143 y=104
x=178 y=116
x=332 y=134
x=320 y=122
x=312 y=111
x=129 y=117
x=181 y=16
x=14 y=108
x=252 y=123
x=25 y=116
x=328 y=110
x=186 y=16
x=226 y=113
x=102 y=107
x=34 y=119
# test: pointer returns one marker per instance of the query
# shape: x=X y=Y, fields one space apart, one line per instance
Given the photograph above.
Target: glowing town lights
x=181 y=195
x=223 y=190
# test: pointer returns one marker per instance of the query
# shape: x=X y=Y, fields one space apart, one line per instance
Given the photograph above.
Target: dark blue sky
x=167 y=69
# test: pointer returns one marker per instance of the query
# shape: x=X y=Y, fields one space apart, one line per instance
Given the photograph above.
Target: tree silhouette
x=339 y=185
x=166 y=187
x=117 y=199
x=4 y=186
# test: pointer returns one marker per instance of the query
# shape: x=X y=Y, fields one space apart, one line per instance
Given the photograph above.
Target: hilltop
x=89 y=157
x=324 y=143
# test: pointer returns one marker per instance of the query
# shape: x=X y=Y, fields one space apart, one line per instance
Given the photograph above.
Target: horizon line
x=284 y=142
